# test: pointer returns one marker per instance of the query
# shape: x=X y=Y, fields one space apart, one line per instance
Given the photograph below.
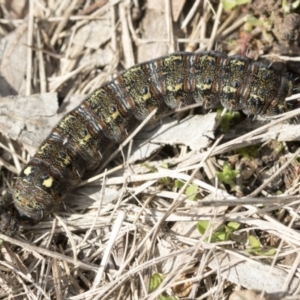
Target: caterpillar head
x=34 y=198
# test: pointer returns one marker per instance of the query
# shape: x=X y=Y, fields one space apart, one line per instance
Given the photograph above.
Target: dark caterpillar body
x=114 y=110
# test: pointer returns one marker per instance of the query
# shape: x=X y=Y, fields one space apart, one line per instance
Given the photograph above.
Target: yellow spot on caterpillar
x=175 y=88
x=209 y=58
x=43 y=148
x=65 y=121
x=48 y=182
x=84 y=140
x=204 y=87
x=67 y=118
x=147 y=96
x=27 y=171
x=133 y=71
x=66 y=161
x=173 y=57
x=256 y=97
x=96 y=93
x=238 y=63
x=229 y=89
x=115 y=115
x=178 y=87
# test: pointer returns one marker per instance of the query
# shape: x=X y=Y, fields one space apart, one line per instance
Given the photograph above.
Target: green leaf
x=152 y=169
x=191 y=191
x=220 y=236
x=254 y=242
x=228 y=175
x=231 y=226
x=227 y=118
x=202 y=226
x=155 y=281
x=248 y=152
x=267 y=24
x=230 y=4
x=262 y=251
x=164 y=166
x=257 y=249
x=179 y=183
x=279 y=147
x=165 y=180
x=253 y=21
x=254 y=250
x=269 y=251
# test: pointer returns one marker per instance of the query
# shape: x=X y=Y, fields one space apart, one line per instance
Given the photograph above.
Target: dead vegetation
x=168 y=215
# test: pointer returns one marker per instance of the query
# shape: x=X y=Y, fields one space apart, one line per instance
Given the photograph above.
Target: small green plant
x=163 y=180
x=227 y=175
x=248 y=152
x=230 y=4
x=227 y=118
x=190 y=192
x=279 y=147
x=222 y=234
x=256 y=248
x=155 y=281
x=266 y=25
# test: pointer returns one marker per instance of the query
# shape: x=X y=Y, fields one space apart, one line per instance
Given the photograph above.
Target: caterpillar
x=114 y=110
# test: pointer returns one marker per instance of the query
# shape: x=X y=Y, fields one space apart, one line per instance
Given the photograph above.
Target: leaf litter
x=130 y=230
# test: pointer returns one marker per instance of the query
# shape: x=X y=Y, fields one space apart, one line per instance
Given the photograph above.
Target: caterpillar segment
x=208 y=68
x=114 y=110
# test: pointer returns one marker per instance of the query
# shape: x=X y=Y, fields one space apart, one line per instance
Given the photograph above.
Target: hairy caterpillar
x=115 y=109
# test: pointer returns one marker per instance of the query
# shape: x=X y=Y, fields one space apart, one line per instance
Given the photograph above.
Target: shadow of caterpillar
x=115 y=109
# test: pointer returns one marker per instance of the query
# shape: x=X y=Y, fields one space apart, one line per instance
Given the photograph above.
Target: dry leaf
x=88 y=35
x=246 y=295
x=13 y=57
x=28 y=119
x=253 y=275
x=195 y=132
